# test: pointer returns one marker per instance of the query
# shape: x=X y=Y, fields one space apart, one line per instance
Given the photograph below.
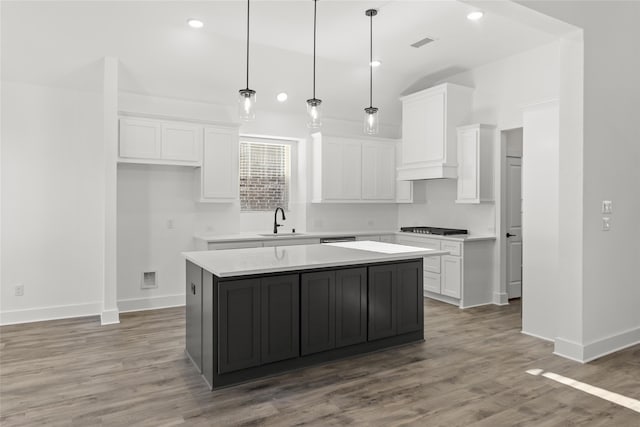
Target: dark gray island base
x=247 y=327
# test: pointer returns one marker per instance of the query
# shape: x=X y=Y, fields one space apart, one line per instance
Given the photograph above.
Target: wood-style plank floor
x=470 y=371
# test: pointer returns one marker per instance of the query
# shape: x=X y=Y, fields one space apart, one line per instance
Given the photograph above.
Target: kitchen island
x=259 y=311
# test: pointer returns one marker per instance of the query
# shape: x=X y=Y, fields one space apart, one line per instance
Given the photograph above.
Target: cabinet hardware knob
x=510 y=235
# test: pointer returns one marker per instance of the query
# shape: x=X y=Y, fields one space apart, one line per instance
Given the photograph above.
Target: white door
x=514 y=227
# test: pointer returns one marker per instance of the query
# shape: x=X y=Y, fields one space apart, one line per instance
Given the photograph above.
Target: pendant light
x=314 y=105
x=371 y=118
x=247 y=98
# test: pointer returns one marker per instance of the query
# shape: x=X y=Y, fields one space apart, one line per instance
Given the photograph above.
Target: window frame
x=293 y=165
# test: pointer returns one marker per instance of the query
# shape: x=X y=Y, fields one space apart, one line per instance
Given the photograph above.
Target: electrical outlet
x=607 y=207
x=606 y=223
x=18 y=290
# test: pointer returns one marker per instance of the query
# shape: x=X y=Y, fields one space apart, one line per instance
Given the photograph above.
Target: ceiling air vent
x=422 y=42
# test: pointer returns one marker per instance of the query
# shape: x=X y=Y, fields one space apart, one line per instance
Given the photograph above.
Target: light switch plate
x=606 y=223
x=607 y=207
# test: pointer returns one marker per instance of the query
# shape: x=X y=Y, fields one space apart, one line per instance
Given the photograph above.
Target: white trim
x=500 y=298
x=536 y=336
x=110 y=317
x=123 y=113
x=598 y=348
x=152 y=303
x=41 y=314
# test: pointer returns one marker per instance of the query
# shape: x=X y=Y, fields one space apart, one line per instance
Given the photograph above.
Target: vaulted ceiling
x=52 y=42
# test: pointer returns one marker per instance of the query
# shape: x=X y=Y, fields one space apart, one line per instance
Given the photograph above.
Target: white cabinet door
x=431 y=282
x=404 y=191
x=451 y=276
x=341 y=170
x=475 y=163
x=219 y=174
x=181 y=142
x=139 y=138
x=468 y=165
x=378 y=171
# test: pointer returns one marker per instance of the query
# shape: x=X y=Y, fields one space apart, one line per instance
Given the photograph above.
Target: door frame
x=501 y=296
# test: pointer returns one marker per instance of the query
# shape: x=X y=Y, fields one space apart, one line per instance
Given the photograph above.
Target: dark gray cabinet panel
x=280 y=317
x=239 y=324
x=409 y=291
x=317 y=312
x=194 y=313
x=382 y=302
x=209 y=332
x=351 y=306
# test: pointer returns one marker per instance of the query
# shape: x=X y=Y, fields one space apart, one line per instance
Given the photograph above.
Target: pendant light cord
x=248 y=44
x=315 y=6
x=371 y=61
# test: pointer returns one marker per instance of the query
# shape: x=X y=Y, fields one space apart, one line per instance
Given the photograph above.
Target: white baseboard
x=41 y=314
x=536 y=336
x=597 y=349
x=110 y=317
x=151 y=303
x=500 y=298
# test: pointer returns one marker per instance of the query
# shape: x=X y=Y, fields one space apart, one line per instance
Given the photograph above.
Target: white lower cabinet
x=290 y=242
x=215 y=246
x=451 y=276
x=464 y=277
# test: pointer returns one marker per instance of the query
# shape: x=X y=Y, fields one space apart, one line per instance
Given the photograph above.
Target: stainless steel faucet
x=275 y=219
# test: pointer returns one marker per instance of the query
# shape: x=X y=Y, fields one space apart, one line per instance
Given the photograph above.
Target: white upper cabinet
x=337 y=169
x=351 y=170
x=378 y=171
x=218 y=178
x=181 y=141
x=429 y=121
x=475 y=163
x=159 y=142
x=404 y=189
x=140 y=139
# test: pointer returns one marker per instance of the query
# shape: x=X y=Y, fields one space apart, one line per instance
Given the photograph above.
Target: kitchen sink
x=281 y=234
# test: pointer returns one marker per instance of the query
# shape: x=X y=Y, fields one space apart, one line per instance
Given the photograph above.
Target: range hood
x=429 y=138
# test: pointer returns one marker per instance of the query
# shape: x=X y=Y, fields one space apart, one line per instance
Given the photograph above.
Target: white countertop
x=243 y=262
x=247 y=237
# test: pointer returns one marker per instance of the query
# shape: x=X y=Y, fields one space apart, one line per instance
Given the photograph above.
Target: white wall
x=52 y=202
x=611 y=154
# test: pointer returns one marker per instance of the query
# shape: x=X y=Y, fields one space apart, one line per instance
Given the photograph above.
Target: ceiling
x=53 y=42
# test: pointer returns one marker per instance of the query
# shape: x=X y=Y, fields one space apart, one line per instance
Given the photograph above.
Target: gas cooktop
x=433 y=230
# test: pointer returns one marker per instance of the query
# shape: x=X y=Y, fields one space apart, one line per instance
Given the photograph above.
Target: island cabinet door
x=194 y=314
x=410 y=302
x=239 y=324
x=317 y=312
x=280 y=317
x=382 y=302
x=351 y=306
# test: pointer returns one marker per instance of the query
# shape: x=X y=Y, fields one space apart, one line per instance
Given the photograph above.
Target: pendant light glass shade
x=314 y=105
x=246 y=104
x=371 y=117
x=314 y=110
x=246 y=96
x=371 y=120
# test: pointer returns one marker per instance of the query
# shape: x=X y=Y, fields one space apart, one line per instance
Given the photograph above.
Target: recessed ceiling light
x=475 y=15
x=282 y=96
x=375 y=63
x=195 y=23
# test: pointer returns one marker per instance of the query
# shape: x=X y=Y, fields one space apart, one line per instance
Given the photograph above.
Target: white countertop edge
x=249 y=237
x=376 y=257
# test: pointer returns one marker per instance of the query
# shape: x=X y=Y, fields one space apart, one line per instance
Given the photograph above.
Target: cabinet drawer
x=432 y=264
x=454 y=248
x=431 y=282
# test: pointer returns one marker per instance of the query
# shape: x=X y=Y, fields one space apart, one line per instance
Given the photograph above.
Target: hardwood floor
x=470 y=371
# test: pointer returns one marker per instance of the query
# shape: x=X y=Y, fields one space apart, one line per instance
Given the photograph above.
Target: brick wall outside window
x=265 y=174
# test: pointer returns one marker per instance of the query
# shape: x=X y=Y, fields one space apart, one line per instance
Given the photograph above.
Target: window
x=265 y=174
